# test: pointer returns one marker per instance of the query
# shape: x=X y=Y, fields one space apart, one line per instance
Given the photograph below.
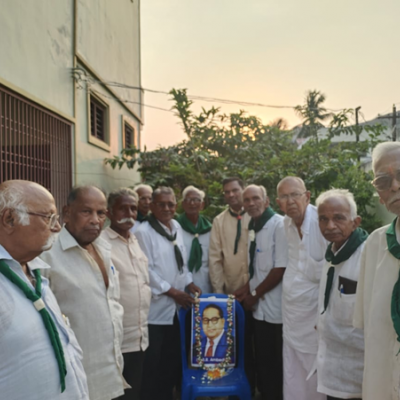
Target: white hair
x=343 y=193
x=381 y=150
x=192 y=189
x=262 y=188
x=143 y=186
x=14 y=198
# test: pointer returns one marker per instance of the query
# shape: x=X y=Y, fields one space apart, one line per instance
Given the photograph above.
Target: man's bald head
x=290 y=180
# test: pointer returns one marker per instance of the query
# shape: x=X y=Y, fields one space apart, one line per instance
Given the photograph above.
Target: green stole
x=394 y=249
x=152 y=220
x=37 y=301
x=238 y=216
x=256 y=226
x=196 y=253
x=358 y=237
x=140 y=217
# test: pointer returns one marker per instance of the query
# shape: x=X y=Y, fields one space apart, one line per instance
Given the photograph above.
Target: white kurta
x=301 y=282
x=340 y=361
x=271 y=252
x=379 y=272
x=201 y=278
x=163 y=270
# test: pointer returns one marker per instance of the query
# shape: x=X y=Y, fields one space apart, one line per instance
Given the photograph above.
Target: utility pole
x=394 y=128
x=357 y=130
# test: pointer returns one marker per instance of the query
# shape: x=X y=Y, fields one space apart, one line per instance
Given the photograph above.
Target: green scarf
x=35 y=297
x=256 y=226
x=196 y=253
x=358 y=237
x=140 y=217
x=152 y=220
x=238 y=216
x=394 y=249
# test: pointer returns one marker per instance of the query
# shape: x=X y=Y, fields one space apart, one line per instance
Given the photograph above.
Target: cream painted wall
x=37 y=50
x=109 y=40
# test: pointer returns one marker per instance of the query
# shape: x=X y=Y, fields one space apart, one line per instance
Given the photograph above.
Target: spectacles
x=293 y=196
x=214 y=320
x=53 y=218
x=163 y=205
x=384 y=182
x=191 y=200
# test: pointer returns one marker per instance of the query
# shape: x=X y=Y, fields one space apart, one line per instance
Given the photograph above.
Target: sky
x=269 y=52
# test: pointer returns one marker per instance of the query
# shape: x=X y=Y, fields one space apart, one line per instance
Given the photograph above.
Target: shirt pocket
x=343 y=307
x=264 y=257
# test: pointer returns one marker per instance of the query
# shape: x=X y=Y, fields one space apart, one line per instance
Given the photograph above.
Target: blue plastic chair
x=234 y=384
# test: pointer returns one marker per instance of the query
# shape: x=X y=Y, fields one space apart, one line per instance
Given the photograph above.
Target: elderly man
x=268 y=258
x=196 y=236
x=85 y=283
x=39 y=355
x=144 y=193
x=340 y=360
x=306 y=247
x=160 y=237
x=378 y=300
x=135 y=293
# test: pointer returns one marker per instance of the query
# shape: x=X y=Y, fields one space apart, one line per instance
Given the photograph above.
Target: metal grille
x=97 y=119
x=129 y=135
x=35 y=145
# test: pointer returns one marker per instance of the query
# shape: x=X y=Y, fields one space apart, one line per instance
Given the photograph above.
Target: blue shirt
x=28 y=366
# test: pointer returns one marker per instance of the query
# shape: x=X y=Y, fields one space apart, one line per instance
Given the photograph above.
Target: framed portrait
x=214 y=331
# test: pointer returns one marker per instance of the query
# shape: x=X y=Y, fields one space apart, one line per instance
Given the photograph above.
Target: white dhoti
x=296 y=368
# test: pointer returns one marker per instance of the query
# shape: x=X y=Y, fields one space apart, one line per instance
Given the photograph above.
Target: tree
x=220 y=145
x=313 y=114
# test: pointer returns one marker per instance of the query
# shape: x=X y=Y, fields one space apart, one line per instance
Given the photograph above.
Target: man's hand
x=249 y=302
x=182 y=298
x=194 y=289
x=240 y=294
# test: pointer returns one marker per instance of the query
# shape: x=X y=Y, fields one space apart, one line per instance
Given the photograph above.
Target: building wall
x=42 y=41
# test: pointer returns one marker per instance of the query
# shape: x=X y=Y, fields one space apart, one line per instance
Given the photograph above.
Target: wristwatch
x=254 y=293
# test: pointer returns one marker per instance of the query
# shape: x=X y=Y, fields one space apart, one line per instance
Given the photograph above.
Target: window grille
x=97 y=119
x=35 y=145
x=129 y=136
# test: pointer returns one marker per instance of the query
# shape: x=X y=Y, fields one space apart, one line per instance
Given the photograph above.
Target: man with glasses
x=306 y=247
x=85 y=283
x=39 y=355
x=378 y=292
x=144 y=193
x=160 y=238
x=196 y=236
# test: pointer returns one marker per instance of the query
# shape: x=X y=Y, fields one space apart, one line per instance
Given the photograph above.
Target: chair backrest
x=239 y=330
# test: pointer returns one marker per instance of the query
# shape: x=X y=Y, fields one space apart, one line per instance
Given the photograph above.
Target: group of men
x=90 y=312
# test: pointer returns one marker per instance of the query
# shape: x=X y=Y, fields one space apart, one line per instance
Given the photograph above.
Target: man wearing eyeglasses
x=306 y=247
x=196 y=236
x=144 y=193
x=377 y=309
x=85 y=283
x=39 y=355
x=160 y=238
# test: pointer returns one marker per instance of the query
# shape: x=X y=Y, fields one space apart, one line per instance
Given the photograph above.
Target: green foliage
x=220 y=145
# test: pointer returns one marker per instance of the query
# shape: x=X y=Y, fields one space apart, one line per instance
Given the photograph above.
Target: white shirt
x=93 y=310
x=301 y=282
x=271 y=252
x=340 y=361
x=201 y=278
x=215 y=343
x=378 y=274
x=28 y=366
x=163 y=270
x=135 y=227
x=132 y=266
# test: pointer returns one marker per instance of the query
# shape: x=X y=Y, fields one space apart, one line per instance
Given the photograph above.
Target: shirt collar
x=112 y=235
x=217 y=339
x=305 y=226
x=67 y=241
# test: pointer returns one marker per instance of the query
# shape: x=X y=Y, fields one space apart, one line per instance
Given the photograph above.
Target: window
x=97 y=119
x=129 y=135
